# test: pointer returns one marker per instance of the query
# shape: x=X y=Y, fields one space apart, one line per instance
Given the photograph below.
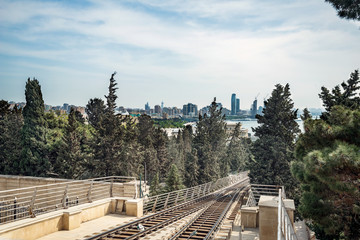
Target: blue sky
x=175 y=51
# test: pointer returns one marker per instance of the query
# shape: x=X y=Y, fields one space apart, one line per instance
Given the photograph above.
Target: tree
x=273 y=150
x=347 y=97
x=210 y=144
x=155 y=188
x=11 y=122
x=328 y=165
x=174 y=181
x=238 y=151
x=70 y=162
x=107 y=137
x=348 y=9
x=191 y=169
x=306 y=114
x=95 y=109
x=33 y=160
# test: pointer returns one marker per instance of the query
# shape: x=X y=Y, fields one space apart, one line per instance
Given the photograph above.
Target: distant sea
x=252 y=123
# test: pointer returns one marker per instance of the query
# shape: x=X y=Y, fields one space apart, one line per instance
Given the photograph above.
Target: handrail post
x=89 y=192
x=32 y=203
x=65 y=197
x=111 y=187
x=279 y=233
x=154 y=207
x=166 y=201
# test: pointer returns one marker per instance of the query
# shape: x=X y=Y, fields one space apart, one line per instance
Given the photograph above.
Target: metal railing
x=16 y=204
x=285 y=228
x=268 y=190
x=163 y=201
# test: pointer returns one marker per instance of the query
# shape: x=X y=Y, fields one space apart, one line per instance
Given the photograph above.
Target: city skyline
x=182 y=51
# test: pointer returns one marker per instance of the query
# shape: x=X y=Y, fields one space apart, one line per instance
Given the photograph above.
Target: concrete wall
x=67 y=219
x=8 y=182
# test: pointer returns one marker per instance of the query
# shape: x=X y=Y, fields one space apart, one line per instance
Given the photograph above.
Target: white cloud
x=213 y=49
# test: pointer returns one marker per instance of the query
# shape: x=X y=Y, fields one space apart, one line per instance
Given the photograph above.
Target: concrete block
x=134 y=207
x=250 y=217
x=71 y=219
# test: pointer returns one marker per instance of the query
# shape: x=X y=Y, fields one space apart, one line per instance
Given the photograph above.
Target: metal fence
x=163 y=201
x=268 y=190
x=28 y=202
x=285 y=227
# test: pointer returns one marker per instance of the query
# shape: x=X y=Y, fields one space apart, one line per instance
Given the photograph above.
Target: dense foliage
x=348 y=9
x=328 y=164
x=273 y=150
x=38 y=143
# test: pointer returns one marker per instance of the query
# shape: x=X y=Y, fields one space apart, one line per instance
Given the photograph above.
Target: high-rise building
x=157 y=109
x=147 y=107
x=162 y=104
x=233 y=104
x=190 y=109
x=237 y=106
x=254 y=108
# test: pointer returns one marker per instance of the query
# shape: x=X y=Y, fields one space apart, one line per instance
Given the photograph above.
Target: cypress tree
x=273 y=150
x=107 y=141
x=11 y=122
x=71 y=157
x=155 y=187
x=191 y=169
x=238 y=151
x=33 y=160
x=210 y=144
x=174 y=181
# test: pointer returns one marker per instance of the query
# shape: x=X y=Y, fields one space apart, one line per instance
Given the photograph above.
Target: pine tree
x=210 y=144
x=33 y=160
x=174 y=181
x=328 y=165
x=348 y=9
x=160 y=144
x=273 y=150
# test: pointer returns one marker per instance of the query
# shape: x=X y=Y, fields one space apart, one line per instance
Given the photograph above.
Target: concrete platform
x=90 y=227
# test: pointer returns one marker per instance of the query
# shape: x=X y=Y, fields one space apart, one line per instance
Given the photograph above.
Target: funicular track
x=208 y=221
x=213 y=208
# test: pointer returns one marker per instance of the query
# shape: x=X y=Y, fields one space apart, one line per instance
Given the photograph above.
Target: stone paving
x=91 y=227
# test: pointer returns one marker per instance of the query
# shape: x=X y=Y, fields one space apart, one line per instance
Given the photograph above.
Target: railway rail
x=212 y=208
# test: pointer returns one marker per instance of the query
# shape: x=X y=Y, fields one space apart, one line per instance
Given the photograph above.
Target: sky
x=174 y=51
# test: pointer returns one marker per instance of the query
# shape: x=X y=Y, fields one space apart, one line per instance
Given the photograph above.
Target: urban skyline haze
x=176 y=51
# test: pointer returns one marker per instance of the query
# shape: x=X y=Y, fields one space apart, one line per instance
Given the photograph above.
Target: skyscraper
x=237 y=108
x=233 y=104
x=254 y=108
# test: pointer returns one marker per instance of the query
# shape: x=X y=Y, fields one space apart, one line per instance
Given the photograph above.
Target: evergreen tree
x=348 y=97
x=160 y=145
x=146 y=139
x=306 y=114
x=348 y=9
x=238 y=151
x=328 y=166
x=132 y=156
x=95 y=109
x=71 y=158
x=210 y=144
x=155 y=188
x=33 y=160
x=11 y=122
x=273 y=150
x=107 y=141
x=191 y=169
x=174 y=181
